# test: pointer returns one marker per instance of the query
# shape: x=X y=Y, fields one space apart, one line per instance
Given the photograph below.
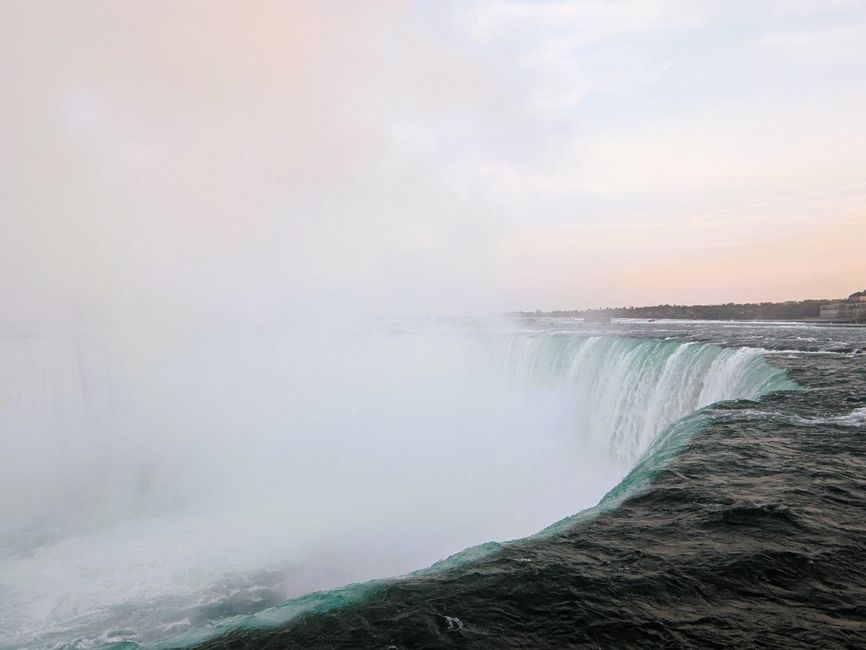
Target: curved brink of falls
x=639 y=399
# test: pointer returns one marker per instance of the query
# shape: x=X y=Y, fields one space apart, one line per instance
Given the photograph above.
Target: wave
x=856 y=418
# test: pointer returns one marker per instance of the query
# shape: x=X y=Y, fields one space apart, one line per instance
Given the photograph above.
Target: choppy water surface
x=751 y=533
x=731 y=456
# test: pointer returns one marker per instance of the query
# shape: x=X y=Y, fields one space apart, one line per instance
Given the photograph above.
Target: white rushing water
x=151 y=486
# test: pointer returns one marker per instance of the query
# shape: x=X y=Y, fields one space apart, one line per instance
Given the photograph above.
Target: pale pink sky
x=268 y=159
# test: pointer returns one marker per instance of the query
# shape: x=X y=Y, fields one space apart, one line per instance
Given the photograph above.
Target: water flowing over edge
x=661 y=390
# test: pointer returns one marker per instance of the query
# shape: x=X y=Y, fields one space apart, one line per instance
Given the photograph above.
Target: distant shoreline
x=798 y=311
x=802 y=321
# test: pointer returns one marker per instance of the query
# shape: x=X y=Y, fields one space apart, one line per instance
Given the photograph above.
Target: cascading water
x=624 y=391
x=173 y=485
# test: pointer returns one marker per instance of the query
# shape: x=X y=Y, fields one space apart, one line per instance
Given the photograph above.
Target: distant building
x=852 y=310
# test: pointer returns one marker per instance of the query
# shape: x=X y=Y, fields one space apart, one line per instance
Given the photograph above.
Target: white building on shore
x=852 y=310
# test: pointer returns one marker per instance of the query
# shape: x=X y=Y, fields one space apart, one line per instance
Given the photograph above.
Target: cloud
x=207 y=161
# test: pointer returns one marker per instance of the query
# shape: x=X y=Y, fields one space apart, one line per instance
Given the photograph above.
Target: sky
x=165 y=162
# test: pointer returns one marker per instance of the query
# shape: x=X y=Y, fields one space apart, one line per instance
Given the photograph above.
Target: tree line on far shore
x=790 y=310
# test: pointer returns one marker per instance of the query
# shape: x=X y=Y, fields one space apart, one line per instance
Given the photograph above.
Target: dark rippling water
x=753 y=534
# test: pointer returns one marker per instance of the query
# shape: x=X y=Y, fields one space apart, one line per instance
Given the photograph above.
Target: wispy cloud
x=208 y=158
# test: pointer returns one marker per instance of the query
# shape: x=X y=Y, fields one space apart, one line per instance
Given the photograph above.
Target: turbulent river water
x=669 y=484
